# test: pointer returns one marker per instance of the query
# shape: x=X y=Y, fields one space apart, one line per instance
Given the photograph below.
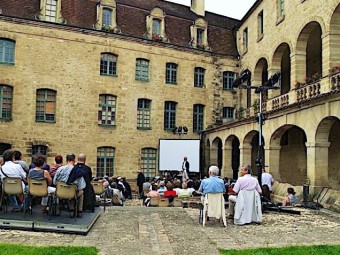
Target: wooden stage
x=39 y=221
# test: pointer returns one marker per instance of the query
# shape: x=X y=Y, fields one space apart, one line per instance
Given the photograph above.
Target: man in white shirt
x=267 y=179
x=10 y=169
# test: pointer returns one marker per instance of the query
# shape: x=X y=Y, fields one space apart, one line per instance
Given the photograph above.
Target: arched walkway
x=231 y=157
x=288 y=155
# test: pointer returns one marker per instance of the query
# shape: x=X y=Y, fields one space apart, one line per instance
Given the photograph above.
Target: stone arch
x=288 y=155
x=334 y=37
x=261 y=74
x=309 y=51
x=281 y=62
x=232 y=156
x=327 y=153
x=250 y=149
x=216 y=152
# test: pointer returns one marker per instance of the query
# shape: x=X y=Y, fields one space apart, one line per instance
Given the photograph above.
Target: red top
x=170 y=193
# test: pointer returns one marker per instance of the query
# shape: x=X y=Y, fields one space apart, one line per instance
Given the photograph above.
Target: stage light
x=245 y=76
x=274 y=79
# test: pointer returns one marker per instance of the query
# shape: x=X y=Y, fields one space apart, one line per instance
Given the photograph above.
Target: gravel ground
x=139 y=230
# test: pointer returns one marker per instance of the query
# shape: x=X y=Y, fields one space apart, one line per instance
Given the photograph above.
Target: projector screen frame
x=194 y=157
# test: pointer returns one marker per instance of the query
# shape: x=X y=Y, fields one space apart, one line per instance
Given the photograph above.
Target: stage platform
x=39 y=221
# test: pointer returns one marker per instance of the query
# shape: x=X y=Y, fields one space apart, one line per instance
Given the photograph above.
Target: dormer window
x=155 y=26
x=199 y=34
x=50 y=10
x=106 y=16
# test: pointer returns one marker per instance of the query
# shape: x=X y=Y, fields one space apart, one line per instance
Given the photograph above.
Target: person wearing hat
x=161 y=188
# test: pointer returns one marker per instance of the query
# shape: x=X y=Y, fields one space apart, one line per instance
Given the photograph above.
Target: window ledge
x=109 y=75
x=171 y=83
x=6 y=64
x=260 y=37
x=107 y=126
x=280 y=19
x=144 y=128
x=143 y=81
x=44 y=121
x=5 y=120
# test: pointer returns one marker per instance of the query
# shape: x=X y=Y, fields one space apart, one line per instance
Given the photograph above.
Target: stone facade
x=66 y=59
x=300 y=137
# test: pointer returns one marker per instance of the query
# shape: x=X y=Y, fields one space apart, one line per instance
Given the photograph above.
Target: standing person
x=140 y=181
x=18 y=160
x=267 y=180
x=82 y=170
x=10 y=169
x=185 y=168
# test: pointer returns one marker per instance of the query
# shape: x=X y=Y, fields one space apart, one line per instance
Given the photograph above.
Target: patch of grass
x=292 y=250
x=16 y=249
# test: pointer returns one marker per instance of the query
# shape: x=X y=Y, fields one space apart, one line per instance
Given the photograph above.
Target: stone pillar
x=227 y=156
x=326 y=54
x=298 y=67
x=273 y=156
x=213 y=156
x=245 y=154
x=317 y=165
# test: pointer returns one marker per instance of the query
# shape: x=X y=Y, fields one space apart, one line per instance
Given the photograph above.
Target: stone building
x=301 y=39
x=110 y=78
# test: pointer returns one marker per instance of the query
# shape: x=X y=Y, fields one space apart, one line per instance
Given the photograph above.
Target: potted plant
x=334 y=70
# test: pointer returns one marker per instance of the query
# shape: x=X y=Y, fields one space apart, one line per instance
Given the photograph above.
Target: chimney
x=197 y=6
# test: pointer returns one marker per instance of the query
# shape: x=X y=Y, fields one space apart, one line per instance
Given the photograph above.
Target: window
x=144 y=114
x=107 y=110
x=260 y=24
x=39 y=149
x=7 y=51
x=105 y=161
x=228 y=79
x=199 y=77
x=108 y=64
x=198 y=117
x=281 y=8
x=6 y=97
x=171 y=73
x=148 y=162
x=51 y=10
x=200 y=37
x=156 y=27
x=107 y=17
x=142 y=69
x=46 y=104
x=199 y=34
x=169 y=115
x=228 y=113
x=4 y=147
x=245 y=39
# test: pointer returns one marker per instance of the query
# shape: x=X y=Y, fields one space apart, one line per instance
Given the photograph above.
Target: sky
x=231 y=8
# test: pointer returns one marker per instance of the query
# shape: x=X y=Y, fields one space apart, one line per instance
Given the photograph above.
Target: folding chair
x=163 y=202
x=11 y=186
x=98 y=189
x=177 y=202
x=68 y=192
x=213 y=206
x=36 y=188
x=154 y=201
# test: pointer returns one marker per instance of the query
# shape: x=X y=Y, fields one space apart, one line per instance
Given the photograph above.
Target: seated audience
x=184 y=192
x=38 y=173
x=58 y=163
x=290 y=199
x=161 y=188
x=170 y=193
x=152 y=194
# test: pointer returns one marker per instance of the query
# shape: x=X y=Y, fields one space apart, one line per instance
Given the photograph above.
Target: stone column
x=227 y=156
x=213 y=156
x=273 y=156
x=245 y=154
x=317 y=165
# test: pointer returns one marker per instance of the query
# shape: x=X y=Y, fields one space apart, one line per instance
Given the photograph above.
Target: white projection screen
x=172 y=152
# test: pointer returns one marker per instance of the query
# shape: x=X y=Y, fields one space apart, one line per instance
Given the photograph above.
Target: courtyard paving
x=139 y=230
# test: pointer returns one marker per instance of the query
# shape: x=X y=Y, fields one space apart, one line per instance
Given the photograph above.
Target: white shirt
x=12 y=170
x=267 y=179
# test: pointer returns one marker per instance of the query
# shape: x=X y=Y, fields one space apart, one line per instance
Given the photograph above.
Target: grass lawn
x=15 y=249
x=293 y=250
